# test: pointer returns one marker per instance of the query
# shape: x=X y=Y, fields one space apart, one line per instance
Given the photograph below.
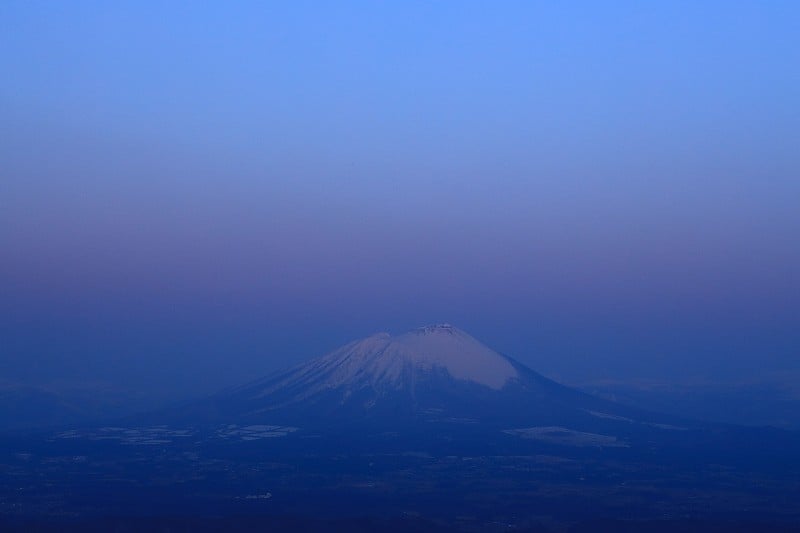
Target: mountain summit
x=383 y=361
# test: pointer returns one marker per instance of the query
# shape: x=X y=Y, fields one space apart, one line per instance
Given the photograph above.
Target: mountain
x=433 y=375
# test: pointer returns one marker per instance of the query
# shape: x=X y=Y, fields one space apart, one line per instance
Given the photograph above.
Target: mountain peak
x=386 y=362
x=443 y=346
x=438 y=328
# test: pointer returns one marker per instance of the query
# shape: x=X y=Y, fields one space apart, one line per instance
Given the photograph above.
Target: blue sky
x=602 y=190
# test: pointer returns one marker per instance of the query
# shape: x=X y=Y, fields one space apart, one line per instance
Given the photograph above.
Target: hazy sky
x=206 y=192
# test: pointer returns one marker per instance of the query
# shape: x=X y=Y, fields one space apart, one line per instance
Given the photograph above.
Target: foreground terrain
x=451 y=477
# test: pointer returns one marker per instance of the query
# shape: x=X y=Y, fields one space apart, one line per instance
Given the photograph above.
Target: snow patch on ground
x=566 y=437
x=669 y=427
x=607 y=416
x=254 y=432
x=138 y=435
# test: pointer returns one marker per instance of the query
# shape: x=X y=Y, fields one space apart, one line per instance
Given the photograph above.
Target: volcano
x=428 y=379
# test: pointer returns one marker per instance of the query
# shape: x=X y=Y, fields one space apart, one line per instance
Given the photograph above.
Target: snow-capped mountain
x=436 y=373
x=384 y=362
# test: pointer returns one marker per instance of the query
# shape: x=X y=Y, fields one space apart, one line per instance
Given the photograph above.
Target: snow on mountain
x=383 y=361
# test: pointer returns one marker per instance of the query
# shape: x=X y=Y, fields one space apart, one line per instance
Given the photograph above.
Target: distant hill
x=766 y=403
x=24 y=406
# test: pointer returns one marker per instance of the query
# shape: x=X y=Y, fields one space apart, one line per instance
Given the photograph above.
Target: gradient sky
x=193 y=194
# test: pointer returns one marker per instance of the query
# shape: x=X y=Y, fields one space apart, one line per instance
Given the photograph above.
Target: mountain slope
x=436 y=374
